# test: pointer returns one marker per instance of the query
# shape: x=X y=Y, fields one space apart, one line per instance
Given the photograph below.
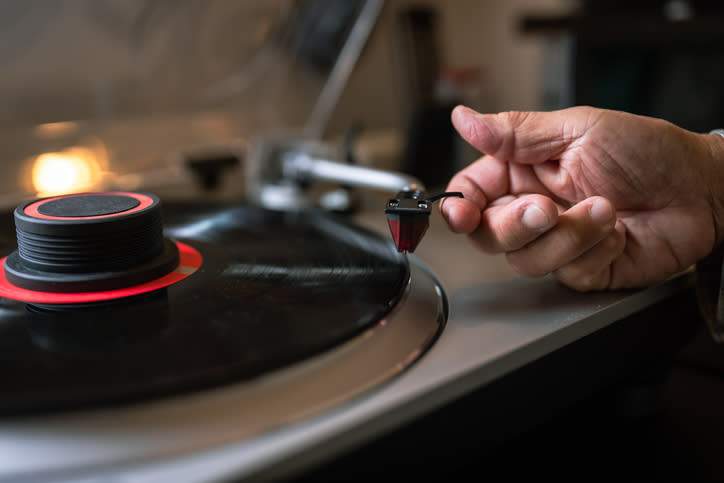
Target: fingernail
x=441 y=207
x=601 y=211
x=535 y=218
x=464 y=111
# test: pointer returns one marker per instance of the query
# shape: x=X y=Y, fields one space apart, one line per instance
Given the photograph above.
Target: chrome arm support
x=307 y=168
x=282 y=174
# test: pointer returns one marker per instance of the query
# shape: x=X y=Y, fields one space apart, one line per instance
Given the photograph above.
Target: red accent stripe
x=189 y=261
x=32 y=209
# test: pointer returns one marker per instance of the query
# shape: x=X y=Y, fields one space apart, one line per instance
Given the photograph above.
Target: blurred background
x=166 y=95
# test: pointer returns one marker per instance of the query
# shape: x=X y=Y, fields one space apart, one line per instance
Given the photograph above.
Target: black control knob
x=89 y=242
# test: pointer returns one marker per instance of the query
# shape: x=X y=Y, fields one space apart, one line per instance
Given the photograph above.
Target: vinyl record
x=273 y=289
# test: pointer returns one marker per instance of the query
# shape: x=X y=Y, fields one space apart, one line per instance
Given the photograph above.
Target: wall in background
x=103 y=59
x=481 y=34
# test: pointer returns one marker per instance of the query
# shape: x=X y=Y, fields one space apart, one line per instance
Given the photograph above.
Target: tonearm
x=283 y=174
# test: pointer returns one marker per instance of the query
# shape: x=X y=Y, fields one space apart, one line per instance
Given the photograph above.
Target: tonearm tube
x=282 y=173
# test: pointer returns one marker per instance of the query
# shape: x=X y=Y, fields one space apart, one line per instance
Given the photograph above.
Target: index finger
x=481 y=182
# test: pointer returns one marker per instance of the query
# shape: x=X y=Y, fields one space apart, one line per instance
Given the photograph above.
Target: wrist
x=715 y=177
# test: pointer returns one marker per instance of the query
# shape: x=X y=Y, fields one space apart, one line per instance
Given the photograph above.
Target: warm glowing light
x=72 y=170
x=52 y=130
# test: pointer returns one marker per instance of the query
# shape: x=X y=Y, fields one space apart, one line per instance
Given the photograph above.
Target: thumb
x=522 y=137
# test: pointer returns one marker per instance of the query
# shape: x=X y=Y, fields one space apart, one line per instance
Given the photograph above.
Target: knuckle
x=464 y=182
x=574 y=239
x=525 y=265
x=513 y=119
x=563 y=181
x=511 y=122
x=511 y=238
x=582 y=280
x=614 y=244
x=587 y=282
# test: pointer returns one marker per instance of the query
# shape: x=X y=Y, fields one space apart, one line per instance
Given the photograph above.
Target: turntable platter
x=274 y=289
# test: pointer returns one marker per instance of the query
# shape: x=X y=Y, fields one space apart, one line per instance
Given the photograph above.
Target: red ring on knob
x=189 y=261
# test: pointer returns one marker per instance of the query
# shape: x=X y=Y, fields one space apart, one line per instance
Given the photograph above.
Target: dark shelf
x=627 y=27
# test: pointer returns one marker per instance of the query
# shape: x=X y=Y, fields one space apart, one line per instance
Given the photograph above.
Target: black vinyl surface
x=273 y=289
x=88 y=205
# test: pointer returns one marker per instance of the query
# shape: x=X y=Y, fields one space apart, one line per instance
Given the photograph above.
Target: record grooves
x=274 y=289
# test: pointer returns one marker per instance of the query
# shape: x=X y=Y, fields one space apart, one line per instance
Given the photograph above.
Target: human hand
x=602 y=199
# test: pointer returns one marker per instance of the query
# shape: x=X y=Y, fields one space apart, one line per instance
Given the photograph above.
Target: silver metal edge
x=76 y=444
